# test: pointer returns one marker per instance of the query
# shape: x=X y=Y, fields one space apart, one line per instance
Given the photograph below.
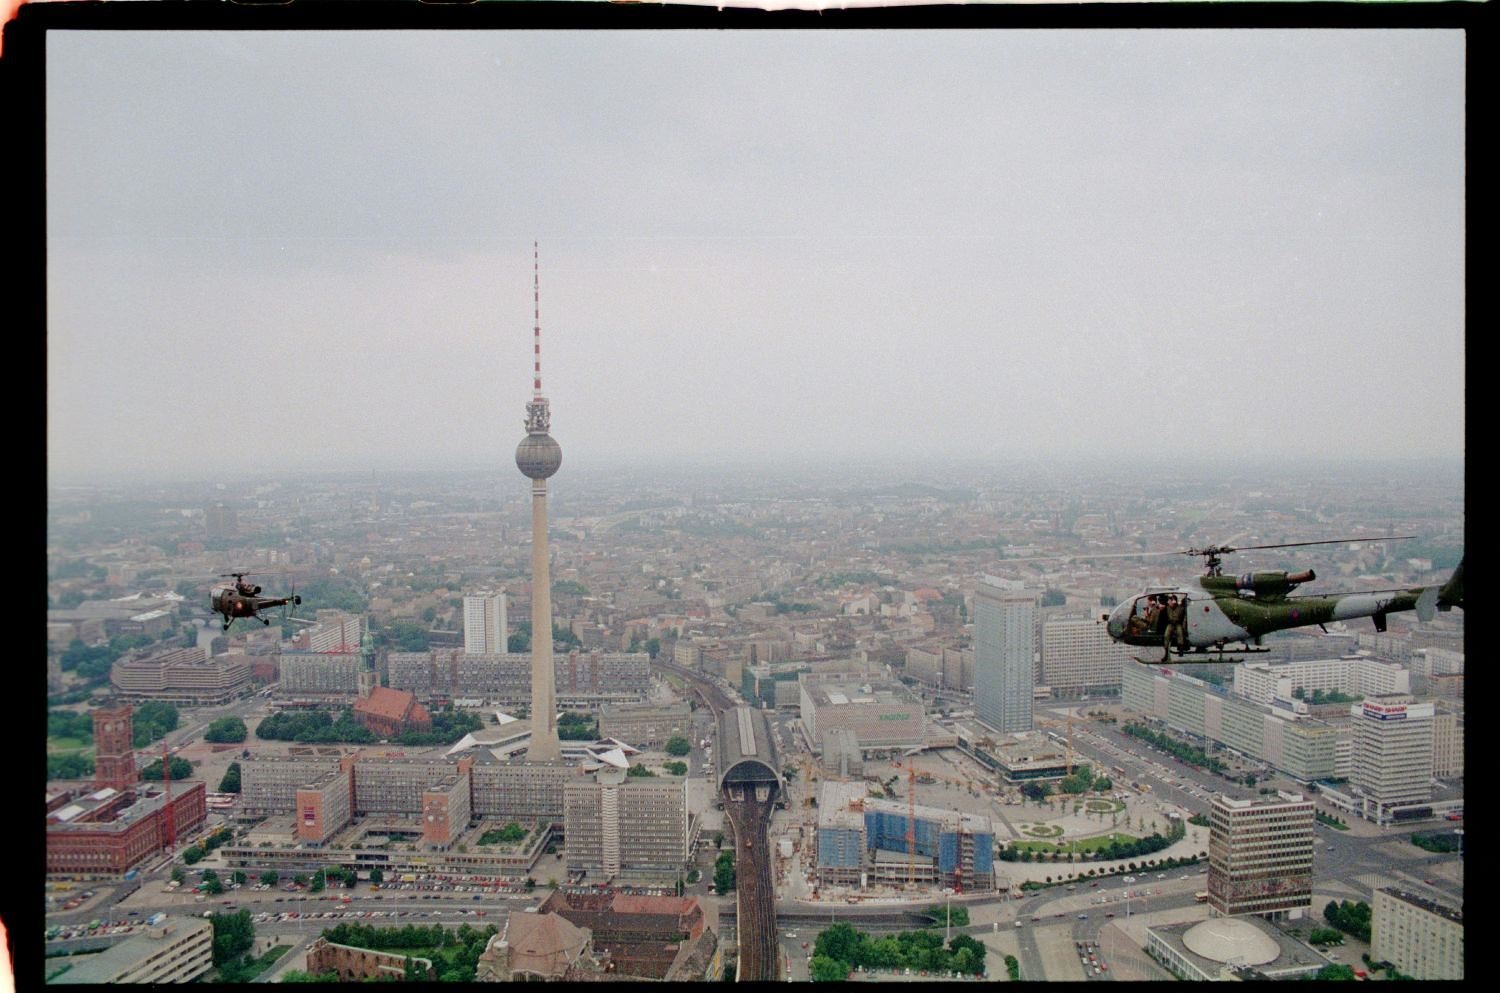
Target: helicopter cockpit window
x=1149 y=615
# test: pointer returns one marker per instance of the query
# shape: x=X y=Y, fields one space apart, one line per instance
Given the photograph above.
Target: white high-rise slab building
x=1393 y=743
x=1004 y=650
x=485 y=624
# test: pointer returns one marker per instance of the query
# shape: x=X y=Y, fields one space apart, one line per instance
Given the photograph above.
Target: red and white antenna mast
x=538 y=416
x=536 y=330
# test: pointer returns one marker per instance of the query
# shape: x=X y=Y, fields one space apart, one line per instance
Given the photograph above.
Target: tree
x=233 y=935
x=639 y=770
x=231 y=781
x=177 y=874
x=181 y=769
x=376 y=876
x=940 y=913
x=192 y=855
x=823 y=969
x=676 y=768
x=1335 y=971
x=724 y=876
x=226 y=729
x=270 y=877
x=653 y=647
x=839 y=942
x=238 y=876
x=678 y=746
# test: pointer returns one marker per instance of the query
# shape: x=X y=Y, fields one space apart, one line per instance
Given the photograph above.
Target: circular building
x=1231 y=939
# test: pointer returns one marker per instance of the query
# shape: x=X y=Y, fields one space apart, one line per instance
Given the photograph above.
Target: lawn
x=1081 y=845
x=67 y=744
x=265 y=962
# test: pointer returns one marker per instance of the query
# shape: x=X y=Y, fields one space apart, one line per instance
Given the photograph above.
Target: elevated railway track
x=749 y=787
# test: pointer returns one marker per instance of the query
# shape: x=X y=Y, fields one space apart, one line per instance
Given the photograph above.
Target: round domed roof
x=538 y=456
x=1231 y=939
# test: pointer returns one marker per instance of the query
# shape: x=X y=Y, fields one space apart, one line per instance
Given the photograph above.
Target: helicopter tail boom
x=1452 y=593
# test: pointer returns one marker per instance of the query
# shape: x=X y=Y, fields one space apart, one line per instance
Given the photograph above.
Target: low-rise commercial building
x=645 y=725
x=175 y=950
x=183 y=675
x=1230 y=948
x=882 y=716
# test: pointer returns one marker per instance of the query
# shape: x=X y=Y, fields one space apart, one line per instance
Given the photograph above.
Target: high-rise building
x=539 y=457
x=1447 y=745
x=620 y=826
x=484 y=623
x=1079 y=656
x=114 y=747
x=1421 y=938
x=1004 y=647
x=1393 y=741
x=1260 y=856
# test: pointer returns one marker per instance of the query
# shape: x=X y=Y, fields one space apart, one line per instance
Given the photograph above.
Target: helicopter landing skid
x=1182 y=659
x=1203 y=656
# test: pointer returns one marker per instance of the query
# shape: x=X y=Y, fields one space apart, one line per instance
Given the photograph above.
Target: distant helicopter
x=241 y=599
x=1223 y=610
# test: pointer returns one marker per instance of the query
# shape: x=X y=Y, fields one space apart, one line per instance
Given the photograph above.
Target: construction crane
x=1069 y=724
x=169 y=833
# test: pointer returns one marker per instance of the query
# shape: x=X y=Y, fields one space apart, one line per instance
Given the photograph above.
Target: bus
x=1201 y=896
x=1118 y=771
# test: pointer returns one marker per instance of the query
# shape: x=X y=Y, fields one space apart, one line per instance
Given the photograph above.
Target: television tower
x=538 y=457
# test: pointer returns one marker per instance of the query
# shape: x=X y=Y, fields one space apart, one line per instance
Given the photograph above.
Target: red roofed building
x=388 y=712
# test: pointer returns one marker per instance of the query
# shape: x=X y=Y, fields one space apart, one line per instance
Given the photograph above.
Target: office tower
x=484 y=623
x=1393 y=742
x=539 y=457
x=1260 y=856
x=1004 y=646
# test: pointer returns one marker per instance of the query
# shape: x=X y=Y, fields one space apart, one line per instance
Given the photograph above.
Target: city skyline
x=760 y=248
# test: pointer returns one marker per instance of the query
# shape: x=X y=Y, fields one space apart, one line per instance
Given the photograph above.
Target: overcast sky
x=276 y=251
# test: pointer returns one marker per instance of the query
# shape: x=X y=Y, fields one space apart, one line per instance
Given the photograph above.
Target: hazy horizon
x=311 y=251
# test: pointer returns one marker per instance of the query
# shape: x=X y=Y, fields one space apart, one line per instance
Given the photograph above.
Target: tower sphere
x=538 y=456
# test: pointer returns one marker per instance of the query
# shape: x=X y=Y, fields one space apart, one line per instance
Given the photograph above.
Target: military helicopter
x=1222 y=610
x=242 y=599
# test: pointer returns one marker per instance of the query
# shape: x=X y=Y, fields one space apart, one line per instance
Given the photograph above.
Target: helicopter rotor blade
x=1298 y=544
x=1224 y=548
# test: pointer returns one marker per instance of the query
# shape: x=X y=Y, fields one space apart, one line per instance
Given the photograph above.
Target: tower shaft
x=544 y=743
